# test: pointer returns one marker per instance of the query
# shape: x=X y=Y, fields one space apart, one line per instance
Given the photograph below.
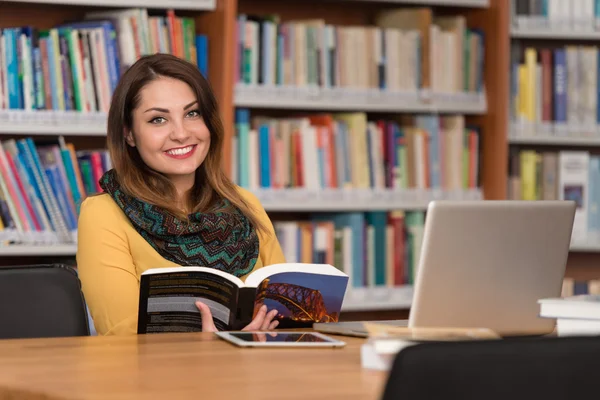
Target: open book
x=302 y=293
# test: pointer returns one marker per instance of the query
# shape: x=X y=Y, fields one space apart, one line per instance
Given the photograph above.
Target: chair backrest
x=41 y=301
x=517 y=368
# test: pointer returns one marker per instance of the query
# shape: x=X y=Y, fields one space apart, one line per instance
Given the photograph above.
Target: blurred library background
x=344 y=117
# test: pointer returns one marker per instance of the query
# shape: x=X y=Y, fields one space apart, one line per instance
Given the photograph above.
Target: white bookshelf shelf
x=356 y=200
x=446 y=3
x=550 y=140
x=39 y=250
x=378 y=298
x=52 y=123
x=175 y=4
x=553 y=34
x=358 y=100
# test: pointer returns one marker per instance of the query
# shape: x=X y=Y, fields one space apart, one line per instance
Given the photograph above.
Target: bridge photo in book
x=302 y=294
x=310 y=298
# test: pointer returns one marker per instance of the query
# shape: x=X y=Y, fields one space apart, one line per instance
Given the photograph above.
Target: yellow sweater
x=111 y=256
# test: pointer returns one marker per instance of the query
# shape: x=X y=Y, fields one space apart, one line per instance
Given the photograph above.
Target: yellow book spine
x=522 y=103
x=531 y=63
x=528 y=175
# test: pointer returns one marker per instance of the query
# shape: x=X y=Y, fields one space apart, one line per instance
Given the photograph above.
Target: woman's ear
x=129 y=138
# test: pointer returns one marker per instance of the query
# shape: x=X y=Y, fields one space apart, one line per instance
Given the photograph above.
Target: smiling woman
x=167 y=201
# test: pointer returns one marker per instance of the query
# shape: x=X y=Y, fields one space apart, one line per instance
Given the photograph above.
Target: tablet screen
x=279 y=337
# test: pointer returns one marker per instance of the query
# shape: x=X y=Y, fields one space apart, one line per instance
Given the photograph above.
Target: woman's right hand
x=262 y=322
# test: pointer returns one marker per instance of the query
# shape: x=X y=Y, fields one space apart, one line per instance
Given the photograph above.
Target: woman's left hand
x=262 y=322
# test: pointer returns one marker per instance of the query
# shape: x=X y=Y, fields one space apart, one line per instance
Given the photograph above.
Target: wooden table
x=179 y=366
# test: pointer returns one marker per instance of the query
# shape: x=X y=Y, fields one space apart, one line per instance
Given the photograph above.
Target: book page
x=167 y=300
x=257 y=276
x=302 y=298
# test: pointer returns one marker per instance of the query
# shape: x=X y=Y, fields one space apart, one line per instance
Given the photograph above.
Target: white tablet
x=279 y=339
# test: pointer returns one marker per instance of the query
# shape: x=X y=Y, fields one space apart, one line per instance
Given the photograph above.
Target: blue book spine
x=597 y=9
x=580 y=287
x=112 y=51
x=242 y=117
x=598 y=88
x=265 y=156
x=35 y=179
x=202 y=54
x=378 y=220
x=12 y=68
x=28 y=185
x=241 y=21
x=560 y=85
x=58 y=190
x=545 y=8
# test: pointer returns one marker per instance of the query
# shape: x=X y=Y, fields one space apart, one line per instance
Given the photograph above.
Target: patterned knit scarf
x=222 y=240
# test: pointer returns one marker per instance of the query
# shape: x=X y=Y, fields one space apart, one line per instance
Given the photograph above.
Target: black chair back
x=515 y=369
x=41 y=301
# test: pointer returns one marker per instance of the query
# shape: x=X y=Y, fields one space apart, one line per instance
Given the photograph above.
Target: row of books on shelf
x=41 y=187
x=562 y=175
x=76 y=65
x=556 y=89
x=578 y=15
x=405 y=50
x=375 y=249
x=346 y=150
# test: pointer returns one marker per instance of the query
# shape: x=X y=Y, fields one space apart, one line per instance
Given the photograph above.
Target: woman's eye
x=157 y=120
x=193 y=114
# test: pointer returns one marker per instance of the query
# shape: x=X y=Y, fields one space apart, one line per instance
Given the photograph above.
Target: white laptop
x=486 y=264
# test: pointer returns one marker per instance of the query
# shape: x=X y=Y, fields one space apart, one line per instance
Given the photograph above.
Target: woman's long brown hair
x=141 y=181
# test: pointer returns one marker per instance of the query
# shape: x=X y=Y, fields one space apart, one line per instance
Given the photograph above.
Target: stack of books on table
x=575 y=315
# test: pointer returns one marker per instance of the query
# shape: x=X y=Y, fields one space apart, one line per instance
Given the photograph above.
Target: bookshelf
x=52 y=123
x=296 y=200
x=482 y=106
x=358 y=100
x=207 y=5
x=553 y=113
x=38 y=250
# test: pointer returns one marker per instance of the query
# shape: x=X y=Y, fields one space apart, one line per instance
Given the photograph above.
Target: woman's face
x=169 y=132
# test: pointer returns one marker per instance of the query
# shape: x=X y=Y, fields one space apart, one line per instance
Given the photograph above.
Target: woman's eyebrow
x=164 y=110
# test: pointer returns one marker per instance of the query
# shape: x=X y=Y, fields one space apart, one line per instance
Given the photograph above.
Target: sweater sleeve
x=106 y=269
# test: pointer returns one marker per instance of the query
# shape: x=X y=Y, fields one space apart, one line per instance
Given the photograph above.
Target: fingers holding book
x=263 y=321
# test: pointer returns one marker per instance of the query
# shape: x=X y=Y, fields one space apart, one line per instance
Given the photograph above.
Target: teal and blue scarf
x=226 y=241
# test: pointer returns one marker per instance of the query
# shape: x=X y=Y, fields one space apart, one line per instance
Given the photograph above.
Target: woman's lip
x=182 y=156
